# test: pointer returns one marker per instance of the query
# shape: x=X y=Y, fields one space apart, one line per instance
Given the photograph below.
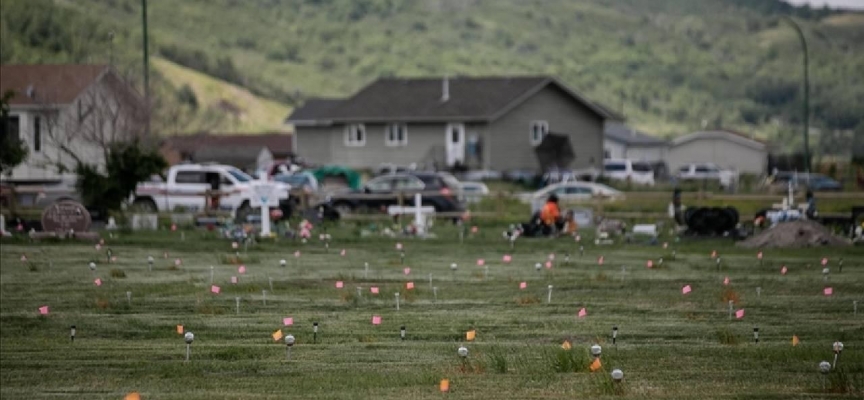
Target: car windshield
x=616 y=167
x=239 y=175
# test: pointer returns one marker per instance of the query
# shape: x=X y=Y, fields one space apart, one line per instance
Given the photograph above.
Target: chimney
x=445 y=89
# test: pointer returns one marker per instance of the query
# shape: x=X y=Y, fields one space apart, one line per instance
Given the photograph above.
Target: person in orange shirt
x=550 y=215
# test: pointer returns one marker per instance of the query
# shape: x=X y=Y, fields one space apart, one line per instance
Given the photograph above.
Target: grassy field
x=670 y=346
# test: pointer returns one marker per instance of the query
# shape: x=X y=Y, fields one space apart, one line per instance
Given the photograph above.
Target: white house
x=724 y=148
x=623 y=142
x=67 y=112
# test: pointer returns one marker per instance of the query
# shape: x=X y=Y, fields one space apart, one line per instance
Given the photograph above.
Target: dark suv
x=438 y=189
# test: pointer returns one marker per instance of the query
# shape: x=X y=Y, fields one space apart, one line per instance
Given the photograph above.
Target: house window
x=538 y=130
x=396 y=135
x=355 y=135
x=607 y=154
x=37 y=134
x=12 y=127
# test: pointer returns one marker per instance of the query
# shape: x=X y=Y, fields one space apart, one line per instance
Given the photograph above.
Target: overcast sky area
x=856 y=4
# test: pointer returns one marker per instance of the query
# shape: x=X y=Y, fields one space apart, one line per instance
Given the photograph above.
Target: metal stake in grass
x=435 y=293
x=430 y=281
x=854 y=307
x=718 y=263
x=366 y=270
x=756 y=334
x=623 y=272
x=129 y=298
x=402 y=257
x=840 y=266
x=72 y=333
x=825 y=272
x=730 y=309
x=314 y=332
x=397 y=301
x=289 y=343
x=237 y=304
x=838 y=348
x=567 y=258
x=485 y=272
x=264 y=297
x=758 y=292
x=674 y=254
x=614 y=334
x=359 y=293
x=212 y=270
x=549 y=295
x=581 y=251
x=453 y=268
x=402 y=332
x=188 y=337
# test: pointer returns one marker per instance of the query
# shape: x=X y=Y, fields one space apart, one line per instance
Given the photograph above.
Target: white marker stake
x=730 y=309
x=237 y=304
x=855 y=307
x=271 y=283
x=485 y=272
x=366 y=271
x=758 y=292
x=549 y=295
x=435 y=293
x=359 y=293
x=430 y=280
x=397 y=301
x=264 y=296
x=211 y=274
x=623 y=272
x=129 y=298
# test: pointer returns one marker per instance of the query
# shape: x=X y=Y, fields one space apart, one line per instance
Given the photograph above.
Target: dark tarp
x=555 y=152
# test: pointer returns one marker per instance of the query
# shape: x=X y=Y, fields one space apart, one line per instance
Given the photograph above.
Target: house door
x=455 y=137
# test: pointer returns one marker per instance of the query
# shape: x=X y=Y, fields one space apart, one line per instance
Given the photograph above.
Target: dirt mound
x=794 y=234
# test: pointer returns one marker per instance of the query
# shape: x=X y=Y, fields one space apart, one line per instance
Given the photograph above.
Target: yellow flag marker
x=566 y=345
x=470 y=335
x=277 y=335
x=795 y=340
x=179 y=329
x=596 y=365
x=445 y=385
x=132 y=396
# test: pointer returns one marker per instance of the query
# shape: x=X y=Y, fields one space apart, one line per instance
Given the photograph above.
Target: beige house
x=476 y=122
x=67 y=112
x=726 y=149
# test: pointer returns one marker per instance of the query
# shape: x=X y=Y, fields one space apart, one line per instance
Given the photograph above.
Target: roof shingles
x=48 y=84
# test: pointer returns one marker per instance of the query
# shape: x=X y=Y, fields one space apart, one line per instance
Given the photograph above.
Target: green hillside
x=670 y=65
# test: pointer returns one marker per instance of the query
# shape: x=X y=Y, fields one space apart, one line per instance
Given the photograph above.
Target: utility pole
x=806 y=92
x=146 y=66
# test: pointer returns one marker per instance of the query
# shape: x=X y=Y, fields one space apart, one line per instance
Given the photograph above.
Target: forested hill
x=670 y=65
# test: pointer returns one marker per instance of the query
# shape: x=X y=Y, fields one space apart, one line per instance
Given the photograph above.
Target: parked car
x=636 y=172
x=573 y=191
x=706 y=172
x=473 y=192
x=815 y=182
x=439 y=190
x=185 y=184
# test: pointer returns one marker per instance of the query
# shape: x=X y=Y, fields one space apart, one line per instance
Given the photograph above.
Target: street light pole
x=806 y=92
x=146 y=66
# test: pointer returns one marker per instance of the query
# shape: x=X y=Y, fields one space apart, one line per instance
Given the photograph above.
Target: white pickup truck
x=187 y=183
x=706 y=172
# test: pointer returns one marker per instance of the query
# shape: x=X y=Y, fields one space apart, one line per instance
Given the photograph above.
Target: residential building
x=623 y=142
x=245 y=151
x=724 y=148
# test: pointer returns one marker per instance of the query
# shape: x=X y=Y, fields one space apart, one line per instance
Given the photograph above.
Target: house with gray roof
x=722 y=147
x=478 y=122
x=624 y=142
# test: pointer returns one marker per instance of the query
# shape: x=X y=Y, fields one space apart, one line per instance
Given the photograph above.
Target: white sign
x=264 y=194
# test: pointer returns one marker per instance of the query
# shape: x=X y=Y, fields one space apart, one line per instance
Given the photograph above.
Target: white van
x=637 y=172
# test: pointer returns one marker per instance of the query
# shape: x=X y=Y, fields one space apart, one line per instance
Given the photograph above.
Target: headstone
x=145 y=222
x=66 y=218
x=112 y=224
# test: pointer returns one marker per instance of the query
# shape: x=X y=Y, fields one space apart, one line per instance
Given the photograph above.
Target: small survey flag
x=179 y=329
x=277 y=336
x=470 y=335
x=795 y=340
x=132 y=396
x=444 y=386
x=596 y=365
x=566 y=345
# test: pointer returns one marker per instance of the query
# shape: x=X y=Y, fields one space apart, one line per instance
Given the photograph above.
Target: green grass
x=669 y=346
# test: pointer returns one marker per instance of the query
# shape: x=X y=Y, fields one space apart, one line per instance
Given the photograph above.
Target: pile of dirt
x=794 y=234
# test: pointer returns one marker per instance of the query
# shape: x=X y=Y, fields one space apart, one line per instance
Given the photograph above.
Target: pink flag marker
x=548 y=264
x=523 y=285
x=235 y=245
x=43 y=310
x=398 y=246
x=481 y=262
x=665 y=245
x=339 y=284
x=241 y=270
x=288 y=321
x=234 y=280
x=551 y=256
x=98 y=247
x=173 y=227
x=98 y=282
x=376 y=320
x=714 y=254
x=507 y=258
x=474 y=229
x=686 y=289
x=407 y=271
x=113 y=258
x=409 y=285
x=783 y=270
x=102 y=241
x=600 y=260
x=739 y=314
x=342 y=253
x=828 y=291
x=165 y=255
x=297 y=254
x=215 y=289
x=824 y=261
x=649 y=264
x=583 y=313
x=374 y=289
x=726 y=281
x=759 y=255
x=578 y=238
x=178 y=262
x=23 y=258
